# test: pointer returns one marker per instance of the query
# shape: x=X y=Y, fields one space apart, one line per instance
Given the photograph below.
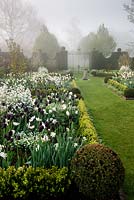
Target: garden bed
x=44 y=121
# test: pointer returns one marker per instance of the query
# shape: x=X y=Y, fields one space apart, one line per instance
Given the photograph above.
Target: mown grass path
x=114 y=121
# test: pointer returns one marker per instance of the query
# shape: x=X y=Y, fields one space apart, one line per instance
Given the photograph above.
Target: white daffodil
x=53 y=134
x=76 y=112
x=37 y=148
x=16 y=123
x=67 y=129
x=1 y=147
x=84 y=138
x=38 y=119
x=64 y=106
x=45 y=138
x=43 y=125
x=3 y=155
x=67 y=113
x=56 y=146
x=70 y=93
x=31 y=119
x=75 y=144
x=54 y=121
x=30 y=127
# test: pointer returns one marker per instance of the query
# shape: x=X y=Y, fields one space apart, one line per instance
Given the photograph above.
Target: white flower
x=30 y=127
x=31 y=119
x=76 y=112
x=56 y=146
x=38 y=147
x=50 y=111
x=45 y=111
x=53 y=134
x=16 y=123
x=54 y=109
x=84 y=138
x=38 y=119
x=75 y=144
x=54 y=121
x=36 y=108
x=67 y=113
x=45 y=138
x=3 y=155
x=64 y=106
x=67 y=129
x=70 y=93
x=1 y=147
x=43 y=125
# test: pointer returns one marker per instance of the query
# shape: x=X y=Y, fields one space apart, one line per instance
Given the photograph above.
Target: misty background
x=71 y=20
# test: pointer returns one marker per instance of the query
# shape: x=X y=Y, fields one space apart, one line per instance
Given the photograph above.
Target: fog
x=86 y=16
x=70 y=20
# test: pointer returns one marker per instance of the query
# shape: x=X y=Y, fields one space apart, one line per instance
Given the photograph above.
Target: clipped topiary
x=107 y=78
x=98 y=172
x=129 y=93
x=76 y=91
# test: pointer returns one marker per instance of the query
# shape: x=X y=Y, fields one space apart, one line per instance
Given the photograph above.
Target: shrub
x=86 y=127
x=98 y=172
x=101 y=73
x=129 y=93
x=76 y=91
x=94 y=72
x=33 y=183
x=117 y=85
x=106 y=79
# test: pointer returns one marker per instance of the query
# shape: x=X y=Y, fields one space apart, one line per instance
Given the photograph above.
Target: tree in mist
x=101 y=41
x=15 y=16
x=18 y=62
x=130 y=11
x=47 y=43
x=129 y=8
x=74 y=34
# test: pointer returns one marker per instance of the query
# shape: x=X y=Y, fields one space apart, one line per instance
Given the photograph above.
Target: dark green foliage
x=94 y=72
x=98 y=172
x=129 y=93
x=132 y=63
x=33 y=183
x=76 y=91
x=102 y=73
x=107 y=78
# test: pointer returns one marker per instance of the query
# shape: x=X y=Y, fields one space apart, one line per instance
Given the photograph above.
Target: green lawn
x=114 y=121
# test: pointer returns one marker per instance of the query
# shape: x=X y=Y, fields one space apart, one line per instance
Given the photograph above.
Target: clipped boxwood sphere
x=107 y=78
x=76 y=91
x=98 y=172
x=129 y=93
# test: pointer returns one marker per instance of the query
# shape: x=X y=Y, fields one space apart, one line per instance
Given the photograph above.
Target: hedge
x=27 y=182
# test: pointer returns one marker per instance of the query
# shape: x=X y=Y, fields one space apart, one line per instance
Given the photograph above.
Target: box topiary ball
x=98 y=172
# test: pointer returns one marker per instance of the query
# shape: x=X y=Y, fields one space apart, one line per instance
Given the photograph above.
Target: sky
x=71 y=19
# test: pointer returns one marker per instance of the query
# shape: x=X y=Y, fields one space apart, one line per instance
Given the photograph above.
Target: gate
x=78 y=61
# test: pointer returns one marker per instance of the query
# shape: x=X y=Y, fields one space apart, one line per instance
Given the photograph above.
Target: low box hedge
x=33 y=183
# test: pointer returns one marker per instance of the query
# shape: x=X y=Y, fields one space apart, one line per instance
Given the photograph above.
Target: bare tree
x=15 y=17
x=130 y=10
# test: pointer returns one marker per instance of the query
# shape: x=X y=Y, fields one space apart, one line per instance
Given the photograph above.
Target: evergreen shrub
x=98 y=172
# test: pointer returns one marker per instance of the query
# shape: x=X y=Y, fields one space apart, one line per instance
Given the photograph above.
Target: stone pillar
x=85 y=74
x=62 y=59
